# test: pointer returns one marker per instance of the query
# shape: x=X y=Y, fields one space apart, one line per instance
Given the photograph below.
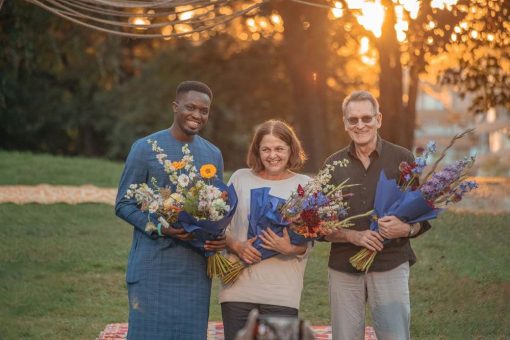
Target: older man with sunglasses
x=385 y=287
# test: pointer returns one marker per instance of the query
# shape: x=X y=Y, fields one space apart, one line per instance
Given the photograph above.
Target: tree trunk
x=394 y=126
x=304 y=52
x=410 y=116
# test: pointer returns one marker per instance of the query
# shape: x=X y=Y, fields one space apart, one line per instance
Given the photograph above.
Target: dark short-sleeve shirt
x=387 y=157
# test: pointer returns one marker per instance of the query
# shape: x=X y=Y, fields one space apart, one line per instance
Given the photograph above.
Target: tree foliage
x=72 y=90
x=481 y=57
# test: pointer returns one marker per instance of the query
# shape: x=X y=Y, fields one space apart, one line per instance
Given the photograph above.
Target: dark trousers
x=235 y=315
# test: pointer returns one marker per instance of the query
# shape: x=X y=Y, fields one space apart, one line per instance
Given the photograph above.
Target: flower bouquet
x=310 y=212
x=413 y=202
x=197 y=202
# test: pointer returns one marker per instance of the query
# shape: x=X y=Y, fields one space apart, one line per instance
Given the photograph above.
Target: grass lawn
x=30 y=169
x=25 y=168
x=62 y=267
x=62 y=275
x=61 y=270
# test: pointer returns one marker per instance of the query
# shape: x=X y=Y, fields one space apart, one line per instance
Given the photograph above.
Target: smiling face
x=274 y=154
x=191 y=112
x=361 y=123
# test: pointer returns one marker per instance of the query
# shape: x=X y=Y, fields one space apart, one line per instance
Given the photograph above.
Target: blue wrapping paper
x=264 y=213
x=204 y=230
x=409 y=206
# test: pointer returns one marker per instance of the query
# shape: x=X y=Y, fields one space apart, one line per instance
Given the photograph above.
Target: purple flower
x=315 y=200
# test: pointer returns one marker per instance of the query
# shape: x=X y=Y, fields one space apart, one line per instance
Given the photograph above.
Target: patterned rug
x=215 y=332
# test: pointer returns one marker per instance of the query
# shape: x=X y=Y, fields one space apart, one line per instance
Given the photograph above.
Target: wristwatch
x=411 y=230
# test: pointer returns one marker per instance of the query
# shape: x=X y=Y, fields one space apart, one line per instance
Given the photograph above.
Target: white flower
x=219 y=204
x=150 y=227
x=203 y=205
x=210 y=192
x=168 y=166
x=153 y=206
x=183 y=180
x=161 y=157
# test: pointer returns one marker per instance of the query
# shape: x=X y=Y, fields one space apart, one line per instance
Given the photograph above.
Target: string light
x=149 y=19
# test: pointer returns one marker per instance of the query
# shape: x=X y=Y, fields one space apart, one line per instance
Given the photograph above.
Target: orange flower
x=224 y=196
x=177 y=165
x=207 y=171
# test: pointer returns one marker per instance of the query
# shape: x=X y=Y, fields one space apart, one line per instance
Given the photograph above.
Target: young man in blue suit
x=168 y=288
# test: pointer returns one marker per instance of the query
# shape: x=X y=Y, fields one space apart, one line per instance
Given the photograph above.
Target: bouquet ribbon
x=264 y=213
x=409 y=206
x=204 y=230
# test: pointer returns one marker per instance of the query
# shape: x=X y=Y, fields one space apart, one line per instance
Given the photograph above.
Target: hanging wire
x=149 y=19
x=313 y=4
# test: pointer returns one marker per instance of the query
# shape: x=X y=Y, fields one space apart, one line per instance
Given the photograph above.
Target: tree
x=49 y=81
x=312 y=51
x=433 y=29
x=305 y=54
x=479 y=62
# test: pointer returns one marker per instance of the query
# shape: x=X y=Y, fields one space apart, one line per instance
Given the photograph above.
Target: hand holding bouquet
x=196 y=201
x=413 y=202
x=311 y=211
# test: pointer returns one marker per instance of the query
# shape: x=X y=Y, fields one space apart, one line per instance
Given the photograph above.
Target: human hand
x=216 y=245
x=177 y=233
x=272 y=241
x=369 y=239
x=246 y=252
x=331 y=235
x=307 y=331
x=391 y=227
x=246 y=333
x=250 y=328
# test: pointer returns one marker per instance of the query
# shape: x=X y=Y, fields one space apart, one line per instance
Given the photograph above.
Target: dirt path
x=50 y=194
x=492 y=196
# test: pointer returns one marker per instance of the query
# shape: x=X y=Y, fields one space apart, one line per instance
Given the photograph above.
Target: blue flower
x=421 y=162
x=431 y=147
x=342 y=212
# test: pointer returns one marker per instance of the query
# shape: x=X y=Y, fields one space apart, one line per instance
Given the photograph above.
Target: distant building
x=441 y=114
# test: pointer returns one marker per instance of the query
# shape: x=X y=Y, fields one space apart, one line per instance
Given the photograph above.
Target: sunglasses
x=355 y=120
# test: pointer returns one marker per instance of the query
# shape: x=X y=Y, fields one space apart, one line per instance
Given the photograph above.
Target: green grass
x=461 y=284
x=62 y=267
x=25 y=168
x=62 y=275
x=61 y=271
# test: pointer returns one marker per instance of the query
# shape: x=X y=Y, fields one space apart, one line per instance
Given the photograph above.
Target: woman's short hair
x=284 y=132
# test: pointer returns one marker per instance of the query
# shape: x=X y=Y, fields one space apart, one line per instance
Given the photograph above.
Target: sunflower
x=177 y=165
x=207 y=171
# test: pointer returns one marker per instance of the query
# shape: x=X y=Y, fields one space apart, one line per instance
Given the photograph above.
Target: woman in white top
x=274 y=285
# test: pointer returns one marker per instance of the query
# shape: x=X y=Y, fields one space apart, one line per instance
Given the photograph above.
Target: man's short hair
x=359 y=96
x=193 y=85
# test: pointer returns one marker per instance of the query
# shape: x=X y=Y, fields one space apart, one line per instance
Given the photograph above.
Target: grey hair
x=359 y=96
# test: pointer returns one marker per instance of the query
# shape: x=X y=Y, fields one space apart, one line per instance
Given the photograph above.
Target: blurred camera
x=277 y=327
